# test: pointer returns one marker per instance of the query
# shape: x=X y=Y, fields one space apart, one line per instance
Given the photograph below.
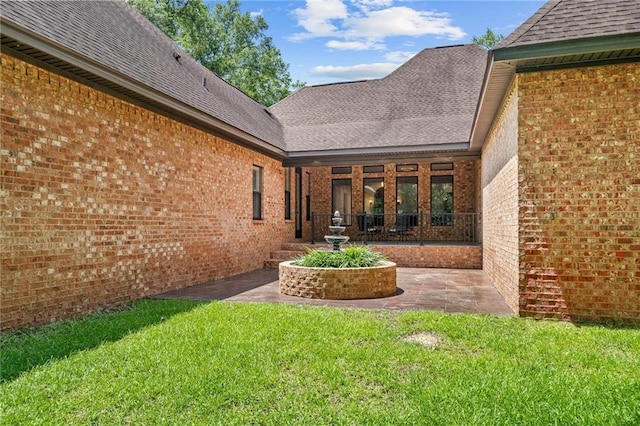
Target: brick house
x=130 y=170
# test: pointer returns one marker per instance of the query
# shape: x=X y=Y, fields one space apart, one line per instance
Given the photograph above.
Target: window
x=373 y=169
x=287 y=193
x=257 y=192
x=407 y=194
x=308 y=196
x=373 y=190
x=341 y=170
x=406 y=168
x=441 y=166
x=341 y=198
x=441 y=200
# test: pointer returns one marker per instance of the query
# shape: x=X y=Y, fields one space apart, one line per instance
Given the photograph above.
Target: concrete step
x=285 y=254
x=272 y=264
x=288 y=251
x=302 y=247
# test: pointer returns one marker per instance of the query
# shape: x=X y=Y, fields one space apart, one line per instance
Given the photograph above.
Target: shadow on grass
x=26 y=349
x=609 y=324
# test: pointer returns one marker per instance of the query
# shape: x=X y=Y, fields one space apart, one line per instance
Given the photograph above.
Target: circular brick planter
x=338 y=283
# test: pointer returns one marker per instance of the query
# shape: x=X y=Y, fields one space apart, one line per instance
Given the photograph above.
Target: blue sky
x=326 y=41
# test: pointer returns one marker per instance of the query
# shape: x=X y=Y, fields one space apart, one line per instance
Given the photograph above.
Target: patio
x=447 y=290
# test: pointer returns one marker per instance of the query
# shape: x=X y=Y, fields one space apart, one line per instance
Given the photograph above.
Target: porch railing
x=418 y=227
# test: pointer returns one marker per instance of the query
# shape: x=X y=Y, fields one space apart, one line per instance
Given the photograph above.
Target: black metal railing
x=418 y=227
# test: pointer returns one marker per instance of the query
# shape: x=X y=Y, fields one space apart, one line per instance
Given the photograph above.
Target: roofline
x=505 y=62
x=568 y=47
x=185 y=111
x=483 y=91
x=373 y=155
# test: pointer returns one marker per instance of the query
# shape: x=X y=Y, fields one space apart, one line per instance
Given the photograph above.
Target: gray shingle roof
x=560 y=20
x=118 y=37
x=430 y=100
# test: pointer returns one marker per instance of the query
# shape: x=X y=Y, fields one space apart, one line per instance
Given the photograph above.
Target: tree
x=488 y=39
x=228 y=42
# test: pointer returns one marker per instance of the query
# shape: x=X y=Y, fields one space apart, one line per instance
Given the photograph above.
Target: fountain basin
x=338 y=283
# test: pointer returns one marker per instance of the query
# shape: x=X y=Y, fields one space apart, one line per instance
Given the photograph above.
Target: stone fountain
x=337 y=229
x=338 y=283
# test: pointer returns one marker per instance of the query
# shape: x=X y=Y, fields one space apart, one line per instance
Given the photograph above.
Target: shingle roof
x=560 y=20
x=430 y=100
x=116 y=36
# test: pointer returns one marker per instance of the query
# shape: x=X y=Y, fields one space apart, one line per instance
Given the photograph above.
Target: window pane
x=341 y=199
x=441 y=200
x=406 y=168
x=341 y=170
x=287 y=205
x=257 y=178
x=308 y=196
x=257 y=192
x=257 y=205
x=373 y=190
x=407 y=195
x=287 y=193
x=287 y=179
x=373 y=169
x=441 y=166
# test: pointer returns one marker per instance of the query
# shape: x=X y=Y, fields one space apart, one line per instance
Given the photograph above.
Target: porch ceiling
x=373 y=156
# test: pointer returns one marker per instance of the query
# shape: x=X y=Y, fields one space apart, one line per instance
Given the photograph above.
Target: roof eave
x=507 y=61
x=169 y=104
x=568 y=47
x=371 y=155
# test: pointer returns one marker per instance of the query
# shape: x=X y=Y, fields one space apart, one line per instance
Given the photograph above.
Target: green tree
x=228 y=42
x=488 y=39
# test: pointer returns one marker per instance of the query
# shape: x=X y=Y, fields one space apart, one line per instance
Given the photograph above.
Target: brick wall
x=500 y=202
x=433 y=256
x=579 y=173
x=104 y=202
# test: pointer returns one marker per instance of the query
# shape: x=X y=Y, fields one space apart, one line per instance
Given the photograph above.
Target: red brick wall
x=104 y=202
x=500 y=203
x=579 y=174
x=433 y=256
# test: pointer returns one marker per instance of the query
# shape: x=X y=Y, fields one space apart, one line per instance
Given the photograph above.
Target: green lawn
x=178 y=362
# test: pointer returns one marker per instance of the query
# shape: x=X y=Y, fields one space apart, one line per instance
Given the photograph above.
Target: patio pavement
x=448 y=290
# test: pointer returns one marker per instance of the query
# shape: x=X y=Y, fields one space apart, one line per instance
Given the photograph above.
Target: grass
x=350 y=257
x=171 y=362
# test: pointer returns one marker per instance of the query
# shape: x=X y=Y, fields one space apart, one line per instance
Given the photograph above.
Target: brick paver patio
x=448 y=290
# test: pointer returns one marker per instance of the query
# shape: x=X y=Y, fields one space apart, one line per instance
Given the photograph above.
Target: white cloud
x=402 y=21
x=370 y=20
x=317 y=16
x=254 y=15
x=399 y=56
x=355 y=72
x=366 y=5
x=355 y=45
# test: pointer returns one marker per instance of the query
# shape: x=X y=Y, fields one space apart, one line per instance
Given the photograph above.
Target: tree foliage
x=488 y=39
x=228 y=42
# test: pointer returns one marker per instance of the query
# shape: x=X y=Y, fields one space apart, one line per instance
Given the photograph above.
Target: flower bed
x=338 y=283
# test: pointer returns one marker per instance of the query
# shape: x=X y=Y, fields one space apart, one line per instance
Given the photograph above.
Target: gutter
x=169 y=104
x=568 y=47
